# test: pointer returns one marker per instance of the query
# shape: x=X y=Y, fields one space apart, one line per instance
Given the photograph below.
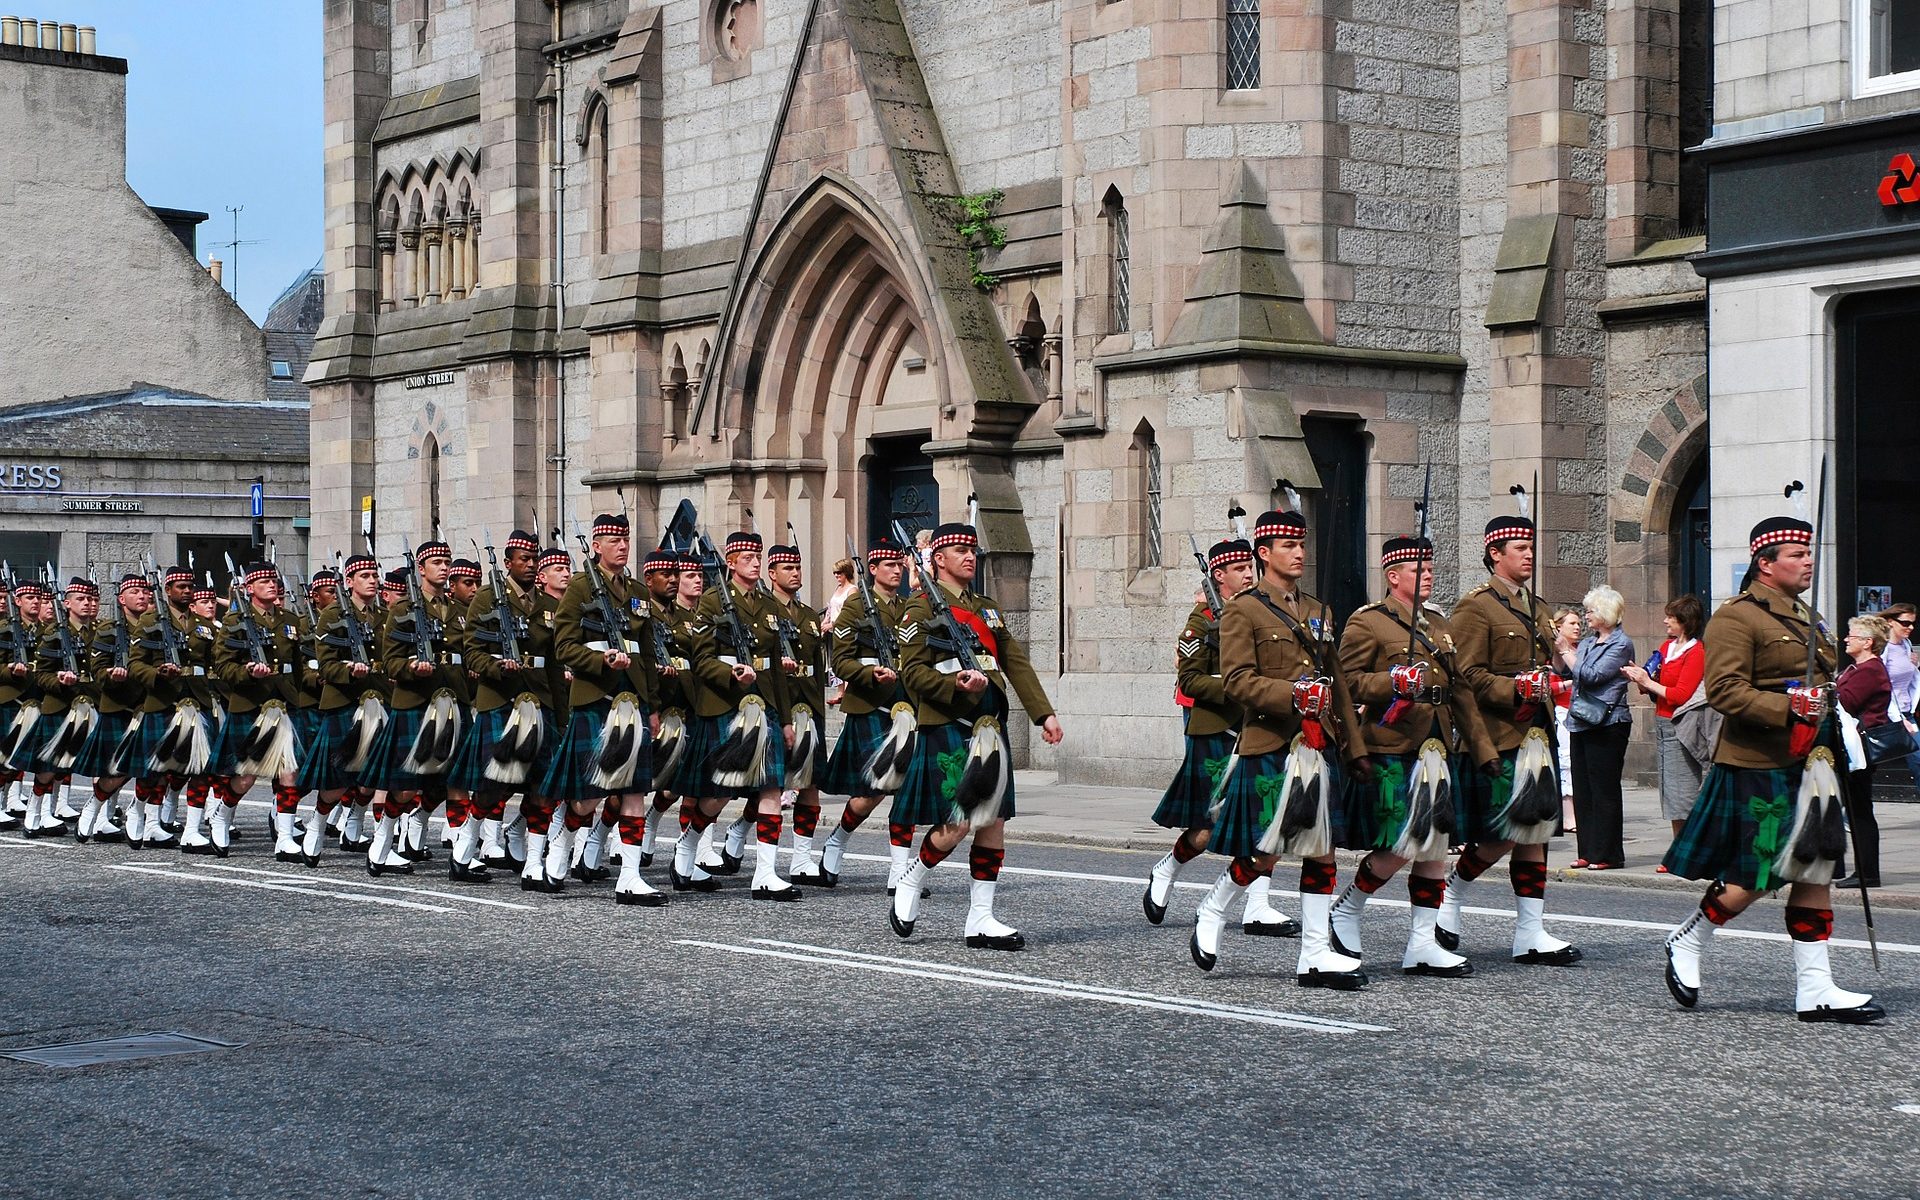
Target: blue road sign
x=257 y=500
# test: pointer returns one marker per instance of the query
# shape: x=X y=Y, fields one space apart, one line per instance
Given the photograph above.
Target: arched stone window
x=1147 y=474
x=594 y=148
x=1119 y=262
x=430 y=483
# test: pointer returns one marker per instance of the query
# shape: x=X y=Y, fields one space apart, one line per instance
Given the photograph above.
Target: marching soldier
x=601 y=635
x=1398 y=659
x=289 y=837
x=463 y=583
x=1769 y=811
x=175 y=739
x=420 y=655
x=740 y=744
x=1279 y=662
x=1504 y=643
x=673 y=602
x=803 y=658
x=18 y=642
x=1210 y=720
x=352 y=708
x=258 y=658
x=203 y=613
x=960 y=779
x=69 y=698
x=553 y=575
x=878 y=714
x=510 y=741
x=107 y=756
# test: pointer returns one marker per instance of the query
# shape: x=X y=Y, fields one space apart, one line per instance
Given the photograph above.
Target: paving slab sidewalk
x=1120 y=818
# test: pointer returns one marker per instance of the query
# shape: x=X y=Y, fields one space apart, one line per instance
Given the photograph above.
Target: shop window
x=1886 y=46
x=1243 y=44
x=27 y=554
x=1119 y=261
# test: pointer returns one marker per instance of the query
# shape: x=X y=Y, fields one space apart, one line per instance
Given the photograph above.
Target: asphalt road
x=417 y=1038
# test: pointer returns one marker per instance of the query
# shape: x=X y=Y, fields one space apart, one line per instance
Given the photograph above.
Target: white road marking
x=355 y=883
x=1035 y=985
x=165 y=873
x=35 y=843
x=1912 y=1110
x=1140 y=881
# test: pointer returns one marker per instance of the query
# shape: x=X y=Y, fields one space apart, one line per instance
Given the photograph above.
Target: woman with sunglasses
x=1903 y=673
x=1865 y=692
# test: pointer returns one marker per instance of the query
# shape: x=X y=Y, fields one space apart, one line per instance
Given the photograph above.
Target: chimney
x=86 y=39
x=213 y=269
x=69 y=38
x=29 y=31
x=9 y=31
x=49 y=35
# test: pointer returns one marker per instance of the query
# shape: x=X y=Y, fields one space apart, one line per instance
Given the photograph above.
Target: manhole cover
x=101 y=1051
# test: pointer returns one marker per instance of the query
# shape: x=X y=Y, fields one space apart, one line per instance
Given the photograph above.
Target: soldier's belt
x=951 y=666
x=1437 y=694
x=313 y=664
x=679 y=664
x=759 y=664
x=802 y=672
x=869 y=662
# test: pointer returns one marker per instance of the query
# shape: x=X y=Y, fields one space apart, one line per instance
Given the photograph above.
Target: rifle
x=172 y=644
x=69 y=655
x=736 y=629
x=122 y=643
x=965 y=641
x=1413 y=628
x=503 y=614
x=883 y=648
x=1207 y=584
x=16 y=644
x=242 y=606
x=359 y=641
x=426 y=630
x=602 y=599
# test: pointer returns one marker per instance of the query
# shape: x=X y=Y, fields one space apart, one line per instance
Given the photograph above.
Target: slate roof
x=148 y=421
x=290 y=326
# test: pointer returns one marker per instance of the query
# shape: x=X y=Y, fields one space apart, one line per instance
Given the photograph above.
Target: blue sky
x=223 y=109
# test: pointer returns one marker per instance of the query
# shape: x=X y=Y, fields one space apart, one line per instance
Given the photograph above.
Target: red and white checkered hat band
x=890 y=554
x=83 y=589
x=968 y=540
x=1294 y=528
x=1227 y=558
x=464 y=572
x=173 y=577
x=555 y=558
x=1508 y=533
x=516 y=542
x=609 y=529
x=134 y=585
x=1394 y=558
x=783 y=558
x=259 y=576
x=1781 y=537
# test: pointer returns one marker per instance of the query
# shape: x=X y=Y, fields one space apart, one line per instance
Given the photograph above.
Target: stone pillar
x=410 y=241
x=503 y=442
x=672 y=396
x=386 y=242
x=456 y=257
x=473 y=250
x=433 y=266
x=509 y=35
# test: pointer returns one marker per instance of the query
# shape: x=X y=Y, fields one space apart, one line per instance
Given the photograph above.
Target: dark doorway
x=210 y=553
x=1692 y=546
x=1877 y=420
x=1337 y=513
x=900 y=487
x=26 y=555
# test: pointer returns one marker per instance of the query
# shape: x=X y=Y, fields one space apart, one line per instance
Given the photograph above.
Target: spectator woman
x=1903 y=673
x=1566 y=636
x=1864 y=691
x=1671 y=678
x=1600 y=721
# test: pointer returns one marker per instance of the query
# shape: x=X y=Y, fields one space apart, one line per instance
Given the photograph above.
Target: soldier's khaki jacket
x=285 y=657
x=580 y=642
x=714 y=654
x=855 y=657
x=1262 y=656
x=1500 y=636
x=398 y=648
x=808 y=685
x=929 y=661
x=495 y=685
x=1196 y=663
x=1372 y=644
x=339 y=687
x=1755 y=644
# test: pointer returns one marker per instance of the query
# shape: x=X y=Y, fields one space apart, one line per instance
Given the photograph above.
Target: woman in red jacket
x=1671 y=677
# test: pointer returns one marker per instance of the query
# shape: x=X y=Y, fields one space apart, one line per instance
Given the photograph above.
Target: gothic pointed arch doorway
x=830 y=374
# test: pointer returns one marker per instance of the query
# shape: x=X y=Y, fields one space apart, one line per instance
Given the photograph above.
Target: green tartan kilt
x=385 y=761
x=1250 y=801
x=1737 y=827
x=469 y=769
x=694 y=775
x=926 y=794
x=860 y=736
x=320 y=769
x=1377 y=811
x=1480 y=800
x=236 y=729
x=153 y=731
x=97 y=757
x=1185 y=803
x=571 y=764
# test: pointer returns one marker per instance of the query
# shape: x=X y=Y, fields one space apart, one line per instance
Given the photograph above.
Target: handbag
x=1886 y=742
x=1589 y=711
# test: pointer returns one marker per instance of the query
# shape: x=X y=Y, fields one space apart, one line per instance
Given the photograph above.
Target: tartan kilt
x=1479 y=800
x=383 y=772
x=320 y=769
x=1248 y=804
x=571 y=763
x=233 y=731
x=1187 y=799
x=860 y=736
x=1727 y=836
x=708 y=734
x=153 y=731
x=926 y=794
x=97 y=755
x=468 y=772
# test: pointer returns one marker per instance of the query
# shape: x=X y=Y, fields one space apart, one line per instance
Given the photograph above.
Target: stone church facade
x=1112 y=266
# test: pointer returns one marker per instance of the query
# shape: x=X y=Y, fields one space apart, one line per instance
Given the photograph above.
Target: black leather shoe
x=811 y=878
x=1201 y=958
x=1565 y=957
x=378 y=869
x=1010 y=941
x=684 y=883
x=1686 y=996
x=785 y=894
x=1448 y=939
x=641 y=899
x=1866 y=1014
x=646 y=858
x=1285 y=927
x=1458 y=971
x=903 y=928
x=1339 y=981
x=729 y=865
x=1156 y=913
x=467 y=873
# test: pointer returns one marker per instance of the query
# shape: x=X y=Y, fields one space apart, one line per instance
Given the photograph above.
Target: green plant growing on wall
x=981 y=233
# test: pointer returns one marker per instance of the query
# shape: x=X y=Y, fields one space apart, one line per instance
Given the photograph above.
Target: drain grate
x=101 y=1051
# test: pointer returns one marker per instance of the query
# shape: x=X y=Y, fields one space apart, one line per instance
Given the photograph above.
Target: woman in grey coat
x=1599 y=723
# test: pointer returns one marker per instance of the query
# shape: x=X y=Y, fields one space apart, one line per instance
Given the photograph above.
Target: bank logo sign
x=1902 y=184
x=29 y=477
